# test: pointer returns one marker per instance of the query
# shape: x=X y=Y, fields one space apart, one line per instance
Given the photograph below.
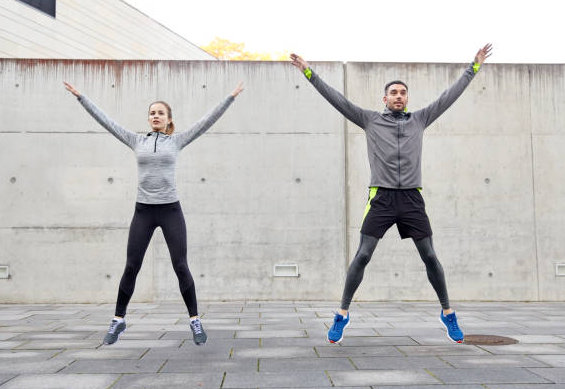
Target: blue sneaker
x=335 y=334
x=453 y=331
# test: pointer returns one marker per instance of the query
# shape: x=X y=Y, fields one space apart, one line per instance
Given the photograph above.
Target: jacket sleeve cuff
x=308 y=73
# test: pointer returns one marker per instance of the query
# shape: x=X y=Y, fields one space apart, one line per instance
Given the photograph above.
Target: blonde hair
x=171 y=126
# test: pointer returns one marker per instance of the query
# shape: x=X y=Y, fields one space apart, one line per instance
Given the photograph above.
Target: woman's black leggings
x=365 y=252
x=146 y=218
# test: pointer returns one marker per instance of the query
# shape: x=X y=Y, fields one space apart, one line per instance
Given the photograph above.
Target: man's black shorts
x=405 y=207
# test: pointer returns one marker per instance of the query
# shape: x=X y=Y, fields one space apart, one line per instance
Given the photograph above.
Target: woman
x=157 y=202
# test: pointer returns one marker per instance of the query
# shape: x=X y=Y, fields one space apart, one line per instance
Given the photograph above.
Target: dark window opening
x=47 y=6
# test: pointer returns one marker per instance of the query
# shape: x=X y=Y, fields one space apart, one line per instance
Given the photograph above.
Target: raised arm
x=351 y=111
x=127 y=137
x=450 y=95
x=200 y=127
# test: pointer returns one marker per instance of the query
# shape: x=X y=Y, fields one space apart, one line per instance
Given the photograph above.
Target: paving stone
x=271 y=380
x=487 y=376
x=378 y=340
x=492 y=361
x=9 y=335
x=27 y=355
x=128 y=366
x=274 y=352
x=5 y=377
x=51 y=335
x=19 y=366
x=310 y=341
x=126 y=343
x=525 y=349
x=58 y=344
x=524 y=386
x=58 y=381
x=170 y=381
x=101 y=353
x=198 y=365
x=459 y=386
x=301 y=364
x=555 y=374
x=454 y=349
x=545 y=339
x=550 y=360
x=342 y=351
x=8 y=345
x=381 y=377
x=271 y=334
x=397 y=363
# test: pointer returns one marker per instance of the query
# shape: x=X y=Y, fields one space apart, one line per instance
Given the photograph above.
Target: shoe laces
x=452 y=323
x=113 y=326
x=334 y=325
x=196 y=326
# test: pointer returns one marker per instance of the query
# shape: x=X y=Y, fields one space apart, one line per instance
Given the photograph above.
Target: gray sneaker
x=198 y=334
x=114 y=332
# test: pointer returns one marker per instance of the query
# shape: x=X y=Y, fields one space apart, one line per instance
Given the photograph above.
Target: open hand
x=299 y=62
x=238 y=89
x=483 y=54
x=71 y=89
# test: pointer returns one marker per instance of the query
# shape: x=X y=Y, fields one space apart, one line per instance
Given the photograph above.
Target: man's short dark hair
x=395 y=82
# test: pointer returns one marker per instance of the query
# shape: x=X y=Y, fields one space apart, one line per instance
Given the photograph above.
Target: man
x=394 y=144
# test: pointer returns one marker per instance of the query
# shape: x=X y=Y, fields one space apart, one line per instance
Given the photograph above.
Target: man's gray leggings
x=365 y=252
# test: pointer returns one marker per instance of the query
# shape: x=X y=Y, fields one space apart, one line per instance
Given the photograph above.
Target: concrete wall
x=108 y=29
x=280 y=179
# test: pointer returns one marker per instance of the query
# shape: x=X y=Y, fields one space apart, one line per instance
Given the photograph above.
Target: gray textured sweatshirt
x=156 y=152
x=394 y=141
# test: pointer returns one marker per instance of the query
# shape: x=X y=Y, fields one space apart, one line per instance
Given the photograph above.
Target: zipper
x=399 y=124
x=155 y=148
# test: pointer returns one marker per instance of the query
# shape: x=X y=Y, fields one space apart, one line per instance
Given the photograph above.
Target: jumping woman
x=157 y=201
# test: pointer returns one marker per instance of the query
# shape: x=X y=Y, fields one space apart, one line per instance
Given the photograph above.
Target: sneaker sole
x=340 y=339
x=447 y=333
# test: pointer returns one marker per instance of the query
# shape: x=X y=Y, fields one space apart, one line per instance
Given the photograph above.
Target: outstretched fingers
x=238 y=89
x=298 y=61
x=483 y=53
x=71 y=89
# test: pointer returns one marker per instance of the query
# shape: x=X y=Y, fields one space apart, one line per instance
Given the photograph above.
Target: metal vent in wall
x=4 y=271
x=560 y=269
x=285 y=270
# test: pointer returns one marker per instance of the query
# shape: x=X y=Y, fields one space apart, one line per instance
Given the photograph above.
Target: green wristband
x=476 y=67
x=308 y=73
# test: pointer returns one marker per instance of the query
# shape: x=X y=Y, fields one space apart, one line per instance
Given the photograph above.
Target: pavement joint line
x=433 y=375
x=162 y=366
x=56 y=354
x=144 y=353
x=316 y=351
x=116 y=381
x=223 y=380
x=258 y=364
x=231 y=353
x=352 y=363
x=543 y=378
x=446 y=362
x=329 y=378
x=400 y=351
x=482 y=348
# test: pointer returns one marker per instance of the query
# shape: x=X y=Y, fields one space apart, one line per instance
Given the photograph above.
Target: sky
x=521 y=31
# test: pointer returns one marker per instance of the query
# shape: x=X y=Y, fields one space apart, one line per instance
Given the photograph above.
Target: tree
x=225 y=49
